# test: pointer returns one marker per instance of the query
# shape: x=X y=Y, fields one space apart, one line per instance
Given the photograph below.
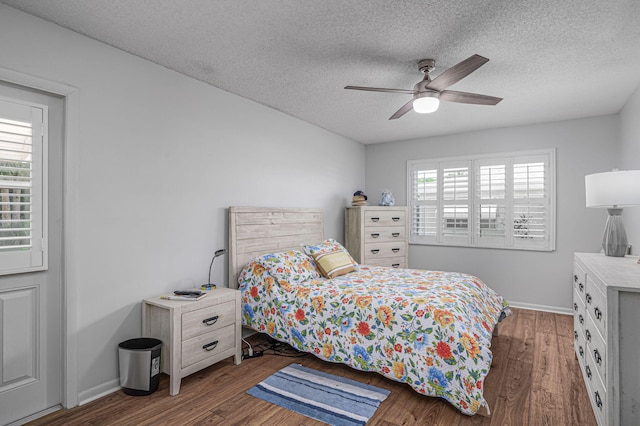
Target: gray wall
x=525 y=278
x=630 y=160
x=161 y=157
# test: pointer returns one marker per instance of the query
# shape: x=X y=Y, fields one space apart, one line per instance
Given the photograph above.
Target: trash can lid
x=140 y=344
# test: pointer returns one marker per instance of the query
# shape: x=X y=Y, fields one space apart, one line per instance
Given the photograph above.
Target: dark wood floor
x=535 y=380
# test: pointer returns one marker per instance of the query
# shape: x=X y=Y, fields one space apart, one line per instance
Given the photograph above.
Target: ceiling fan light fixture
x=426 y=103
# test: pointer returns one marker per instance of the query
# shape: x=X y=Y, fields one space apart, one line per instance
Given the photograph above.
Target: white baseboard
x=544 y=308
x=96 y=392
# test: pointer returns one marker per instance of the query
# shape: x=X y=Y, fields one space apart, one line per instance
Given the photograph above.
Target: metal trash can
x=139 y=365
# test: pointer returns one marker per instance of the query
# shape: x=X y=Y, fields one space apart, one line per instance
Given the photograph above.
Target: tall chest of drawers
x=377 y=235
x=606 y=303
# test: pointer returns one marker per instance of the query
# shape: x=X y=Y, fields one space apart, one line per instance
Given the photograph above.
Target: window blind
x=15 y=184
x=22 y=195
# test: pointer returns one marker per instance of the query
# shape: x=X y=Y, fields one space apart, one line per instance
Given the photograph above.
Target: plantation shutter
x=22 y=195
x=455 y=204
x=531 y=195
x=502 y=200
x=491 y=212
x=424 y=202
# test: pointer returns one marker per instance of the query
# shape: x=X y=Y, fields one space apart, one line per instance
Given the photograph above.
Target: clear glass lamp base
x=614 y=239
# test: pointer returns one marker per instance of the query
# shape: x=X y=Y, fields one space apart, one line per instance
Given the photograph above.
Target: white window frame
x=36 y=257
x=544 y=205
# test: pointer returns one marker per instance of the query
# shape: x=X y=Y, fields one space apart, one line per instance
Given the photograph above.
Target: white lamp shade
x=426 y=104
x=609 y=189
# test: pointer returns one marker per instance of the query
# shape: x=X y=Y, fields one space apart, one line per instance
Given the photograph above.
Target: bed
x=429 y=329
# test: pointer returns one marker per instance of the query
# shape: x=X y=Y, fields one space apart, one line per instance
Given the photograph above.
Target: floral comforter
x=429 y=329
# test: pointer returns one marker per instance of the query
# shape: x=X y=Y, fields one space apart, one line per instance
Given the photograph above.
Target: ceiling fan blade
x=402 y=111
x=457 y=72
x=468 y=98
x=380 y=89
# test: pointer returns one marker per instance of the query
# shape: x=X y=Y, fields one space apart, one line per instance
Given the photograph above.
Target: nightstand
x=194 y=334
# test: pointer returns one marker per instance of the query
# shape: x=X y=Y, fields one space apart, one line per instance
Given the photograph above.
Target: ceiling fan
x=428 y=93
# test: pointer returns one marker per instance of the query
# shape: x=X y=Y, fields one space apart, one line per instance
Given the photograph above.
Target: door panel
x=18 y=347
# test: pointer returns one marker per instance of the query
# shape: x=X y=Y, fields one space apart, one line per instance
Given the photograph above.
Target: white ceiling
x=549 y=59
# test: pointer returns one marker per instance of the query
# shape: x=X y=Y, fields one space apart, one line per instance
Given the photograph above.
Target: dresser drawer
x=377 y=250
x=596 y=305
x=375 y=218
x=382 y=234
x=596 y=347
x=391 y=262
x=579 y=341
x=207 y=345
x=578 y=305
x=579 y=322
x=579 y=281
x=207 y=319
x=597 y=396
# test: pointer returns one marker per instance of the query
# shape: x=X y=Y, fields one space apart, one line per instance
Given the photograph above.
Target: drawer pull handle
x=375 y=219
x=375 y=251
x=588 y=370
x=575 y=278
x=395 y=250
x=396 y=234
x=210 y=321
x=210 y=346
x=588 y=334
x=575 y=335
x=575 y=306
x=581 y=287
x=375 y=235
x=396 y=265
x=581 y=319
x=581 y=351
x=395 y=219
x=598 y=358
x=588 y=298
x=598 y=399
x=598 y=312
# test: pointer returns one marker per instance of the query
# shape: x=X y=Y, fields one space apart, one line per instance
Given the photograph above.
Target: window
x=500 y=200
x=22 y=188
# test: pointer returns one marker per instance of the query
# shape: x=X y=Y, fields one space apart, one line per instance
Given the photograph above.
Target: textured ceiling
x=550 y=60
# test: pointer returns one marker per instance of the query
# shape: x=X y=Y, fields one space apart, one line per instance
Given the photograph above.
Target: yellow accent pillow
x=334 y=263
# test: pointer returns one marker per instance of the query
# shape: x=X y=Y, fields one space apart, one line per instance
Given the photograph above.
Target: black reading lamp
x=218 y=253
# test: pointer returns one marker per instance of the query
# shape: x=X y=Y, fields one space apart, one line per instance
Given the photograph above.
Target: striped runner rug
x=321 y=396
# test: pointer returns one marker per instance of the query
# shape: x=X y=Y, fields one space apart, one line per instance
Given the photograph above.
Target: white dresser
x=606 y=303
x=377 y=235
x=194 y=334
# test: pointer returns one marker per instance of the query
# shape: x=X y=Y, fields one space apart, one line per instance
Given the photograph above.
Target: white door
x=31 y=361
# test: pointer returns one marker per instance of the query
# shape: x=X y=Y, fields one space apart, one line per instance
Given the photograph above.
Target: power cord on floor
x=250 y=353
x=272 y=347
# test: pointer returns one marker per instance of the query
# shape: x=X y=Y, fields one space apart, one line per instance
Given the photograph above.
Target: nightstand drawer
x=382 y=234
x=382 y=217
x=207 y=319
x=207 y=345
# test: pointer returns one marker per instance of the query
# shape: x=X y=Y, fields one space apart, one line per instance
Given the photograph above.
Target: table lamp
x=613 y=191
x=218 y=253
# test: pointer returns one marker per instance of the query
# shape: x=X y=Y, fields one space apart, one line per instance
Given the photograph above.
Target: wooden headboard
x=254 y=231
